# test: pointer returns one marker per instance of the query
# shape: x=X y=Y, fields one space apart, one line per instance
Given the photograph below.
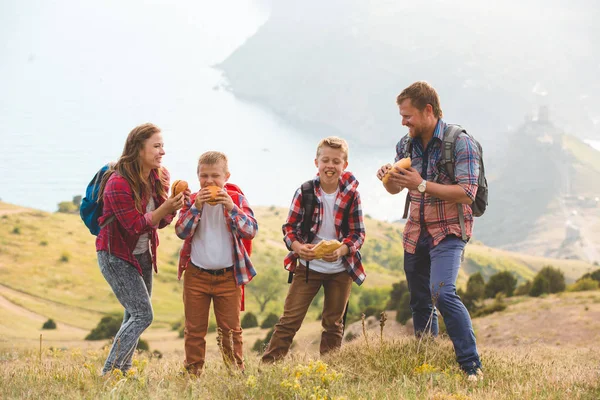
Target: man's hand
x=337 y=254
x=383 y=170
x=408 y=178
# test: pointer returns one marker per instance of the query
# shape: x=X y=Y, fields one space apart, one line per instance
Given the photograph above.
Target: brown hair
x=212 y=158
x=128 y=166
x=335 y=143
x=420 y=94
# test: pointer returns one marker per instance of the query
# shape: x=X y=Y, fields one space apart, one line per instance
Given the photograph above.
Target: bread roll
x=402 y=163
x=178 y=186
x=326 y=247
x=214 y=191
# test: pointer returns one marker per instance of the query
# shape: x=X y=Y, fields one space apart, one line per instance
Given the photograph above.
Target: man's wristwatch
x=422 y=186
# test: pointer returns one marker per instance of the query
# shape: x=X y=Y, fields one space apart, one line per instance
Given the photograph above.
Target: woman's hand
x=337 y=254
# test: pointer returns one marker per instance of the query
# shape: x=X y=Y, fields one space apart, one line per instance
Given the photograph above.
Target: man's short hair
x=335 y=143
x=420 y=94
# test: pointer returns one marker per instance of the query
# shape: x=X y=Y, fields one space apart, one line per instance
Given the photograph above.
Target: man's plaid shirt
x=440 y=217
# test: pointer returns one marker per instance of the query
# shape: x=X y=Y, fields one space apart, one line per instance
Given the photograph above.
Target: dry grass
x=383 y=369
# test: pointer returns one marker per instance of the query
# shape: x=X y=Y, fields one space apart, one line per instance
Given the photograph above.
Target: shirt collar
x=440 y=127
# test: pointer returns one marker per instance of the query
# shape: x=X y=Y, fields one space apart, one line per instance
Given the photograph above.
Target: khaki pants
x=199 y=288
x=301 y=293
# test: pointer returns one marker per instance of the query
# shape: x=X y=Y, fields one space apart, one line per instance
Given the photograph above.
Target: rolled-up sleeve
x=466 y=168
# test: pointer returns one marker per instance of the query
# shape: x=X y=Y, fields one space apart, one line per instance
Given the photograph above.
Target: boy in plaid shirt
x=215 y=261
x=336 y=195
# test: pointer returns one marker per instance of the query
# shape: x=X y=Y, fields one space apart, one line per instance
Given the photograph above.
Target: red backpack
x=234 y=192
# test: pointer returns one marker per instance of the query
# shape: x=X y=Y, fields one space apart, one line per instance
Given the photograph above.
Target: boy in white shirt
x=336 y=215
x=216 y=224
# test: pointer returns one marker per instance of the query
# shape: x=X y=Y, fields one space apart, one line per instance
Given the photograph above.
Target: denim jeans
x=133 y=292
x=431 y=276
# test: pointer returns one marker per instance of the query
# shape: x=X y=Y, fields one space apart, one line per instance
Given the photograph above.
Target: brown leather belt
x=216 y=272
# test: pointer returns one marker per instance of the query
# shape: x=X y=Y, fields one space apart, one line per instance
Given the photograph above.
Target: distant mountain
x=336 y=66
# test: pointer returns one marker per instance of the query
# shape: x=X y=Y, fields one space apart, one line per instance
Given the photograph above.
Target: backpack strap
x=308 y=205
x=408 y=147
x=448 y=161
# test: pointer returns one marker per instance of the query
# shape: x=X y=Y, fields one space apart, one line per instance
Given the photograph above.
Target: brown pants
x=301 y=293
x=199 y=288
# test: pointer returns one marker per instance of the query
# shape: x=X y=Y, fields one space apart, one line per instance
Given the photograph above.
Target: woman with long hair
x=135 y=204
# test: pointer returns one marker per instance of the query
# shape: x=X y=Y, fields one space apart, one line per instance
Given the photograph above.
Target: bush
x=501 y=282
x=249 y=321
x=212 y=327
x=16 y=230
x=44 y=243
x=523 y=289
x=496 y=306
x=65 y=257
x=50 y=324
x=404 y=313
x=270 y=321
x=350 y=337
x=584 y=284
x=591 y=275
x=143 y=345
x=548 y=280
x=261 y=344
x=107 y=328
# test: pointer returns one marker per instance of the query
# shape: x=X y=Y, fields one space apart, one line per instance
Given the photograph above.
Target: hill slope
x=48 y=267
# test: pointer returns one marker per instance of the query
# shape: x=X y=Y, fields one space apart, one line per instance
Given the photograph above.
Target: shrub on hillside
x=496 y=306
x=249 y=321
x=270 y=321
x=475 y=292
x=143 y=345
x=404 y=313
x=50 y=324
x=107 y=328
x=400 y=302
x=591 y=275
x=65 y=256
x=501 y=282
x=523 y=289
x=548 y=280
x=261 y=344
x=584 y=284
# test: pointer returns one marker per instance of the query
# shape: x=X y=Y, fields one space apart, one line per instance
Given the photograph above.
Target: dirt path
x=6 y=211
x=23 y=312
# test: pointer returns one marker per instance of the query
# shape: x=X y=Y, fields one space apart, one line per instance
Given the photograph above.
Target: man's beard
x=415 y=132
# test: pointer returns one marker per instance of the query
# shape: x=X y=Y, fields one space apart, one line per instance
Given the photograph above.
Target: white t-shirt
x=143 y=243
x=326 y=232
x=212 y=244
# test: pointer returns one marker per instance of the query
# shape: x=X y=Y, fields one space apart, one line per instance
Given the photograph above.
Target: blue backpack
x=91 y=207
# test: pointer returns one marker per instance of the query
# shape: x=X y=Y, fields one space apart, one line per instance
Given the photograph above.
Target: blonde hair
x=335 y=143
x=212 y=158
x=420 y=94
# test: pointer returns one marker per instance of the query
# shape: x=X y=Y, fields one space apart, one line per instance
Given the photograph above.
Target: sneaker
x=474 y=374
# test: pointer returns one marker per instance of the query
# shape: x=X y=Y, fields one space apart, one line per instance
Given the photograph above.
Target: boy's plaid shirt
x=121 y=235
x=292 y=229
x=440 y=216
x=241 y=224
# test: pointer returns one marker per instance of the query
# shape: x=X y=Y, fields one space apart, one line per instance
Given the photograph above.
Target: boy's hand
x=337 y=254
x=224 y=198
x=305 y=251
x=202 y=197
x=186 y=194
x=383 y=170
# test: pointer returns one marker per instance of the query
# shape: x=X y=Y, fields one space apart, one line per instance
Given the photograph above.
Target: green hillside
x=48 y=269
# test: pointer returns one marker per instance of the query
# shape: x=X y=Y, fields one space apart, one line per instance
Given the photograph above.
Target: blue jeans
x=431 y=276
